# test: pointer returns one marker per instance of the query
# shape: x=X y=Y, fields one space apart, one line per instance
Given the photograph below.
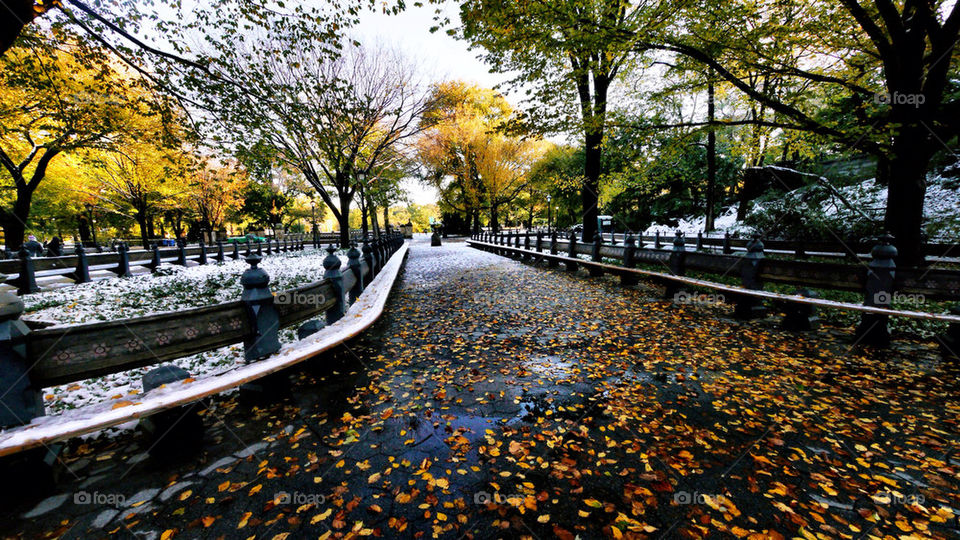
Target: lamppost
x=549 y=214
x=93 y=227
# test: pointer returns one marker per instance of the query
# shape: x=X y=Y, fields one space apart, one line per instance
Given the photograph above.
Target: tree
x=215 y=192
x=880 y=78
x=57 y=100
x=332 y=118
x=563 y=52
x=264 y=204
x=468 y=157
x=138 y=181
x=559 y=174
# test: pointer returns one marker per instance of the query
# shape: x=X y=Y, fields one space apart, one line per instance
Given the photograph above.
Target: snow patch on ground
x=940 y=208
x=174 y=288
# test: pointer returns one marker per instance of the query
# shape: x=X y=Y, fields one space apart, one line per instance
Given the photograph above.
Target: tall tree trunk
x=593 y=108
x=386 y=218
x=494 y=218
x=711 y=155
x=907 y=174
x=15 y=221
x=83 y=227
x=141 y=218
x=374 y=220
x=589 y=195
x=364 y=218
x=345 y=200
x=19 y=13
x=13 y=232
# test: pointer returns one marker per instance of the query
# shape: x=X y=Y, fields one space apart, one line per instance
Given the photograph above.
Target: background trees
x=798 y=79
x=564 y=54
x=875 y=78
x=468 y=157
x=55 y=100
x=336 y=119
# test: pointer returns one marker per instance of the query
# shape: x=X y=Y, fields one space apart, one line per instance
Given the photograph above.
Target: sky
x=437 y=56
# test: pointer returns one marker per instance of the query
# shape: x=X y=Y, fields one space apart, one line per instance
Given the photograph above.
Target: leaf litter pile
x=499 y=400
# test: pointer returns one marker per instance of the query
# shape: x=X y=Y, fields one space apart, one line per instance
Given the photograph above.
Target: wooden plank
x=77 y=352
x=303 y=303
x=838 y=276
x=931 y=283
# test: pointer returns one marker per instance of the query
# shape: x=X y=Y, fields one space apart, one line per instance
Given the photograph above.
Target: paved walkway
x=496 y=399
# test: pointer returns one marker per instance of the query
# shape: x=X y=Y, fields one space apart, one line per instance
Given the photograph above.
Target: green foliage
x=264 y=204
x=667 y=187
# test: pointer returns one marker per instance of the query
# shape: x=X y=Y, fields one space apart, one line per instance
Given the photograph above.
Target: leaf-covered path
x=497 y=399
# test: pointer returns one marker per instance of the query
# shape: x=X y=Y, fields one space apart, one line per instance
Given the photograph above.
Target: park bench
x=32 y=360
x=879 y=280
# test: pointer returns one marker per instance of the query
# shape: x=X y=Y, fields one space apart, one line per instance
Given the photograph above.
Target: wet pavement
x=500 y=399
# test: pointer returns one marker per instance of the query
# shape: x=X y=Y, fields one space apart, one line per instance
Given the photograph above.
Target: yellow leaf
x=167 y=534
x=243 y=520
x=322 y=516
x=544 y=518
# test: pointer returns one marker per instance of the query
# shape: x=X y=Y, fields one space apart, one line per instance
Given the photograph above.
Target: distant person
x=55 y=247
x=34 y=248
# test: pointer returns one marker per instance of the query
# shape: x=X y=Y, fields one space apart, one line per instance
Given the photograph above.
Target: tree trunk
x=374 y=220
x=83 y=227
x=15 y=222
x=364 y=219
x=494 y=219
x=907 y=172
x=386 y=218
x=13 y=232
x=19 y=14
x=711 y=156
x=589 y=195
x=345 y=200
x=144 y=236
